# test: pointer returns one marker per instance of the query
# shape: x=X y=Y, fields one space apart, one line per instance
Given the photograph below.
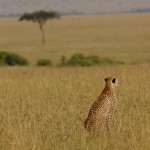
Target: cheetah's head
x=111 y=81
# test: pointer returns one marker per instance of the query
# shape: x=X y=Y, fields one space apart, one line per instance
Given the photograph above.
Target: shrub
x=81 y=60
x=12 y=59
x=44 y=62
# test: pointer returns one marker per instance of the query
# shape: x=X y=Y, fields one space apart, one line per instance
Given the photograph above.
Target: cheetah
x=103 y=108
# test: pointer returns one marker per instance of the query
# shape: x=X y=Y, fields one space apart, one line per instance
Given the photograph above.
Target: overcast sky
x=86 y=6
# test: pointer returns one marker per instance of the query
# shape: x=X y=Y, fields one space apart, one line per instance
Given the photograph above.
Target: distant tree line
x=13 y=59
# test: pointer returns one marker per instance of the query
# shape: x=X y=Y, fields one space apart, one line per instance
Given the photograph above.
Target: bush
x=81 y=60
x=44 y=62
x=12 y=59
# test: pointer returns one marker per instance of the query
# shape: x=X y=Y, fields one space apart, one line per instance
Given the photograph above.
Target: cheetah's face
x=111 y=81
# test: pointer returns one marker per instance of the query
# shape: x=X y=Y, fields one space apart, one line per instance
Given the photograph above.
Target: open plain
x=44 y=108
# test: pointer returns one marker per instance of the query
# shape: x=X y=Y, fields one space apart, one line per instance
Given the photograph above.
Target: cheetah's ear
x=114 y=80
x=105 y=79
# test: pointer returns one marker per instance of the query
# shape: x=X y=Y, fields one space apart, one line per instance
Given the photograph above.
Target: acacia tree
x=40 y=17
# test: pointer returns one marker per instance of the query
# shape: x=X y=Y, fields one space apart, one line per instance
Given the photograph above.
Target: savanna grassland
x=44 y=108
x=119 y=37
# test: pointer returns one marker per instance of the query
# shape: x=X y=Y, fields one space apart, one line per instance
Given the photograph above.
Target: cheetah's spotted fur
x=103 y=108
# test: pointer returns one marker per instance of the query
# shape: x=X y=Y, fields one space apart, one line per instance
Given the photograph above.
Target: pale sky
x=86 y=6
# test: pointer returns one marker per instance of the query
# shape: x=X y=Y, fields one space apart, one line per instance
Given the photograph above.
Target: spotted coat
x=103 y=108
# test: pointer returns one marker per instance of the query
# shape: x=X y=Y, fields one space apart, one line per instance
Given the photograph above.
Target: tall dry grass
x=43 y=108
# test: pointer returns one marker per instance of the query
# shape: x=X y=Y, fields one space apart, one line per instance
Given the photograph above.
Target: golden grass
x=44 y=108
x=120 y=37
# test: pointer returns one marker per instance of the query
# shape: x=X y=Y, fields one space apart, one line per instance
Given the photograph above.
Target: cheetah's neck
x=109 y=89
